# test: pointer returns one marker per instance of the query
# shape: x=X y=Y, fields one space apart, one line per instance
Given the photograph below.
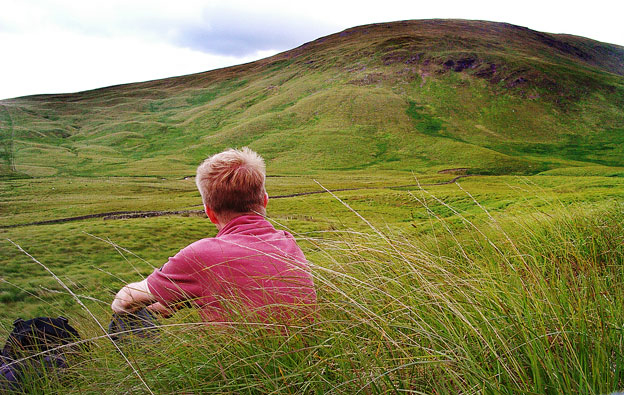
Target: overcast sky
x=57 y=46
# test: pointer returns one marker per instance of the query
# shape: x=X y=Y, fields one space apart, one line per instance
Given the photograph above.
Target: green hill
x=493 y=284
x=413 y=95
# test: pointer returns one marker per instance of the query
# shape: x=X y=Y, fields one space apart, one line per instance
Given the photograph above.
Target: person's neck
x=224 y=219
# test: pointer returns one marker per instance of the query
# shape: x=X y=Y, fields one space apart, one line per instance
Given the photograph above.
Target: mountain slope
x=411 y=95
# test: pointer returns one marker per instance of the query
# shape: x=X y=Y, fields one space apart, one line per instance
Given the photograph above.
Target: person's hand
x=160 y=309
x=123 y=301
x=132 y=297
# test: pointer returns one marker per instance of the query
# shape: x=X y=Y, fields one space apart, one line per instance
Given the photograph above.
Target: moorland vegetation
x=505 y=280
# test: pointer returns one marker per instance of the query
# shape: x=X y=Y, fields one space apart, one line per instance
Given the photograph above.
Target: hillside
x=413 y=95
x=429 y=279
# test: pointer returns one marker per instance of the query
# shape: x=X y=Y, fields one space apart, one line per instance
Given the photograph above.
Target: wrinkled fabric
x=249 y=269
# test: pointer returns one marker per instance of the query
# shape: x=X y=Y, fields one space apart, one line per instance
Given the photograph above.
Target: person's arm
x=160 y=308
x=132 y=297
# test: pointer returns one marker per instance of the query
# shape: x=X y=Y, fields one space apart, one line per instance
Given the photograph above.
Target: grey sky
x=53 y=46
x=239 y=32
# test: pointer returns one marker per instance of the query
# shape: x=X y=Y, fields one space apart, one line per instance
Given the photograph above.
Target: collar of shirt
x=244 y=223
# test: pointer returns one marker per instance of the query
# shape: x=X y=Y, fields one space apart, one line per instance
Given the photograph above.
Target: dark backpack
x=35 y=346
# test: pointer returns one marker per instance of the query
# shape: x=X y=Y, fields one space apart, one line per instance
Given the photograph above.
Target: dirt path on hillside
x=148 y=214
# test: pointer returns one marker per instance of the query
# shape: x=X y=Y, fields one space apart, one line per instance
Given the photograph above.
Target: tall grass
x=530 y=305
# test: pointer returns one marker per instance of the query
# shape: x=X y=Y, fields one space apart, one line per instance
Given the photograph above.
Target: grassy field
x=491 y=284
x=507 y=279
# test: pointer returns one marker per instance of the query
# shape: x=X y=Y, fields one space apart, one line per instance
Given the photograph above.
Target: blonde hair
x=232 y=182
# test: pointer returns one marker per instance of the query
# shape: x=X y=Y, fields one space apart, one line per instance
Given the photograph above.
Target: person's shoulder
x=201 y=246
x=203 y=242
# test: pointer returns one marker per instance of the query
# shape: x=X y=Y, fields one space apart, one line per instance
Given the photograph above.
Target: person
x=248 y=271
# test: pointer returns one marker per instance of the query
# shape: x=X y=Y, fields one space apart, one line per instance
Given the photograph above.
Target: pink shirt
x=248 y=269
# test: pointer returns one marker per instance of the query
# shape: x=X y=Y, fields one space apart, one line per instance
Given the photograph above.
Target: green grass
x=527 y=300
x=508 y=281
x=382 y=96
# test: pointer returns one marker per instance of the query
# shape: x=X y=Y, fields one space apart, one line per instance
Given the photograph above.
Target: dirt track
x=148 y=214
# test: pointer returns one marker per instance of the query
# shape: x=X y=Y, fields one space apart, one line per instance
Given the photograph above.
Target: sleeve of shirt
x=178 y=279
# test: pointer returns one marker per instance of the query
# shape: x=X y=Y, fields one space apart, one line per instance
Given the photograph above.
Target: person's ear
x=211 y=214
x=266 y=200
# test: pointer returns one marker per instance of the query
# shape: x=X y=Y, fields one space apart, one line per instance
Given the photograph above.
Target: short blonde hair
x=232 y=181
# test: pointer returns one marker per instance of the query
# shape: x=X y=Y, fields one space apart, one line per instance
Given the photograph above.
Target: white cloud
x=239 y=32
x=83 y=63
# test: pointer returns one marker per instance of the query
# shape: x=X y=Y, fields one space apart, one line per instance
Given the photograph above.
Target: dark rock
x=518 y=81
x=464 y=64
x=413 y=59
x=487 y=72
